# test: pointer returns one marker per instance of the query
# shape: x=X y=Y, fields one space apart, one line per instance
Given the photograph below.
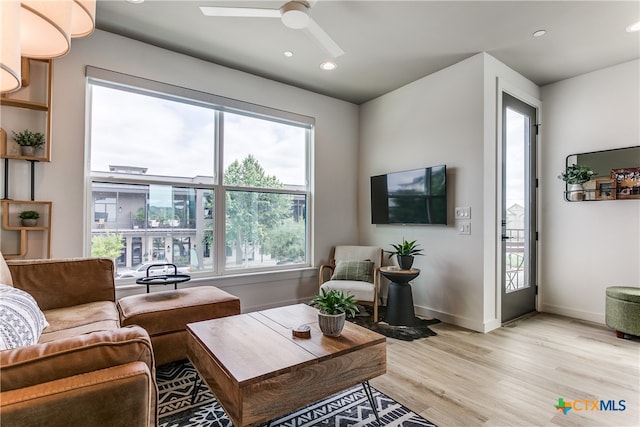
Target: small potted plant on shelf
x=575 y=176
x=405 y=252
x=28 y=141
x=333 y=306
x=29 y=218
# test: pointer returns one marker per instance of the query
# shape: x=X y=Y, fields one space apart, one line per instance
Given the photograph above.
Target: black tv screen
x=417 y=196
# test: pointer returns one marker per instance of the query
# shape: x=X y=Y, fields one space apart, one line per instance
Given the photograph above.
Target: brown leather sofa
x=85 y=370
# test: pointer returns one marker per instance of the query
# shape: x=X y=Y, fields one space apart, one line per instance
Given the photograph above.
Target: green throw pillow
x=361 y=271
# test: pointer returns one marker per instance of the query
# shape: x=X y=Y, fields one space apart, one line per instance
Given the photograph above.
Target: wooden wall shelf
x=11 y=222
x=33 y=102
x=24 y=104
x=27 y=108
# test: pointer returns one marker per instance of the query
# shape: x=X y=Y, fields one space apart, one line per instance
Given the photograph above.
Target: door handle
x=505 y=237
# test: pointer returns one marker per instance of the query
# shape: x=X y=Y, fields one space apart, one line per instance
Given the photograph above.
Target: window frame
x=221 y=105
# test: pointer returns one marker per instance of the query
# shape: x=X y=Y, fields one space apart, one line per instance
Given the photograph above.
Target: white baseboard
x=456 y=320
x=573 y=313
x=492 y=324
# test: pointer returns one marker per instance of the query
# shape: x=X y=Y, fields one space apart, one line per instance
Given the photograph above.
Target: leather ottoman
x=164 y=315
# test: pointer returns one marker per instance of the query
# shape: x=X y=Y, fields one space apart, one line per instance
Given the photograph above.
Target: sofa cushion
x=21 y=320
x=65 y=282
x=36 y=364
x=361 y=291
x=90 y=399
x=361 y=271
x=80 y=319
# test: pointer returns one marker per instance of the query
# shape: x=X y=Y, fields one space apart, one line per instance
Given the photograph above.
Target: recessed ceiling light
x=539 y=33
x=328 y=65
x=633 y=27
x=135 y=1
x=288 y=53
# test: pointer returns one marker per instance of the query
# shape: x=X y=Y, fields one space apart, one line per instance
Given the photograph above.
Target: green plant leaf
x=334 y=301
x=405 y=248
x=576 y=174
x=26 y=138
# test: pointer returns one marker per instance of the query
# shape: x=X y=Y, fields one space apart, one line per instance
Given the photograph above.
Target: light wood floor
x=513 y=376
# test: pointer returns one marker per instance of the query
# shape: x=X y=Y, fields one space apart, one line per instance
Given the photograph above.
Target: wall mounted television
x=417 y=196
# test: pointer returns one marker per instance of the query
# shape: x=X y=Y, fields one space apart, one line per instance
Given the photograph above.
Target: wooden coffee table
x=259 y=371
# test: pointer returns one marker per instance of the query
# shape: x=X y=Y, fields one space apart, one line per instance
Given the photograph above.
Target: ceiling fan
x=294 y=14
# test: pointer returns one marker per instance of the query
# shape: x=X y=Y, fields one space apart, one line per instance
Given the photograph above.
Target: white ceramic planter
x=28 y=150
x=29 y=222
x=331 y=324
x=576 y=192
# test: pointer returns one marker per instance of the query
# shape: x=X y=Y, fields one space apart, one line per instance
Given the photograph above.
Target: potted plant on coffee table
x=333 y=306
x=29 y=218
x=404 y=252
x=575 y=176
x=28 y=141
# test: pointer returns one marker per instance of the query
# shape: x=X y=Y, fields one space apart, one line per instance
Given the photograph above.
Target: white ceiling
x=389 y=43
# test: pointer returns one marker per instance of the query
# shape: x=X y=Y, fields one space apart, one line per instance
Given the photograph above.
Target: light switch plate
x=463 y=212
x=464 y=227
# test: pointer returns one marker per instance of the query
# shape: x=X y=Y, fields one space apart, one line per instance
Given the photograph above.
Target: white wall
x=448 y=117
x=588 y=246
x=62 y=181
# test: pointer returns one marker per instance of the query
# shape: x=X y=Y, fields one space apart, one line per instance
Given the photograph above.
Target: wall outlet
x=463 y=212
x=464 y=227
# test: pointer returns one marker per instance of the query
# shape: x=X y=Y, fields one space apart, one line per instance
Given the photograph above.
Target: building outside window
x=178 y=176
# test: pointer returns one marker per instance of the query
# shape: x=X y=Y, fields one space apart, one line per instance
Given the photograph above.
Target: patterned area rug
x=420 y=328
x=348 y=408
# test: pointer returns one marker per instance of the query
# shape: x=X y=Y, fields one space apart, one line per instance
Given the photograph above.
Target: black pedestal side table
x=400 y=310
x=164 y=279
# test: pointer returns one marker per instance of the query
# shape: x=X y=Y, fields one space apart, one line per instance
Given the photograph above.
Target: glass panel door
x=518 y=208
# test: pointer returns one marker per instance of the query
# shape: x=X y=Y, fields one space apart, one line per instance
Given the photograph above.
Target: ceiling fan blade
x=325 y=41
x=243 y=12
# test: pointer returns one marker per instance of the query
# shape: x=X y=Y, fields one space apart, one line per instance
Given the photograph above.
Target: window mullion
x=219 y=234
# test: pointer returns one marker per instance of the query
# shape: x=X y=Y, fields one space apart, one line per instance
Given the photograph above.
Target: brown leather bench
x=164 y=315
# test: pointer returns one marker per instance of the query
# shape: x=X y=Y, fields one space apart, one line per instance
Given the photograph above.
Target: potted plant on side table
x=28 y=141
x=575 y=176
x=333 y=306
x=29 y=218
x=405 y=252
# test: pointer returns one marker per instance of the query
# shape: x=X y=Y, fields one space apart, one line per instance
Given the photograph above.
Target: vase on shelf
x=575 y=192
x=28 y=150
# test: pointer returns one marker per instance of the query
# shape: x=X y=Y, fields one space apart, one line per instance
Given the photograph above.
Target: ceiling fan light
x=83 y=18
x=294 y=15
x=45 y=28
x=10 y=79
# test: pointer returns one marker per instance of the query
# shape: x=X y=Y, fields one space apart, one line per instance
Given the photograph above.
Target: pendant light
x=10 y=78
x=83 y=18
x=45 y=28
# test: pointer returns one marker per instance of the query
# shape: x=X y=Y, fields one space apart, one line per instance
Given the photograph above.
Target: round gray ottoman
x=622 y=310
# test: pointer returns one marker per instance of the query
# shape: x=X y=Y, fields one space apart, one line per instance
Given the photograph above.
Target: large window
x=209 y=184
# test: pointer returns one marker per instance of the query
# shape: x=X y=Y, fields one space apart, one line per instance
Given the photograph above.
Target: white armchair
x=354 y=270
